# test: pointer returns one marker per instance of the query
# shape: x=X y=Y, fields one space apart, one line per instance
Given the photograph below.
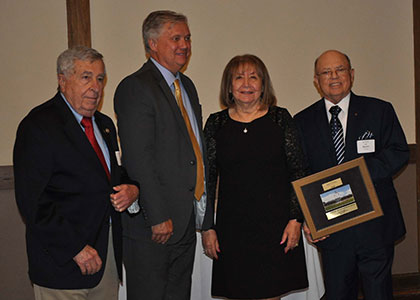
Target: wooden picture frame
x=337 y=198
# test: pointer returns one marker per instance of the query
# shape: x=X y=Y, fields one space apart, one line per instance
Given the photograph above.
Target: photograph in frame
x=337 y=198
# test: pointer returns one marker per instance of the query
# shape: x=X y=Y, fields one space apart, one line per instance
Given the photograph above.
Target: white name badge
x=365 y=146
x=118 y=157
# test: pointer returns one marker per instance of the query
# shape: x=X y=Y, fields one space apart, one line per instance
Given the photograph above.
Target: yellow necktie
x=199 y=185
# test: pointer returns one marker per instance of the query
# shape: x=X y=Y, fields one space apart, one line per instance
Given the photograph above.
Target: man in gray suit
x=160 y=127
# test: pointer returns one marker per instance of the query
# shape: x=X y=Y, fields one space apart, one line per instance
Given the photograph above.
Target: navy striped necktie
x=337 y=133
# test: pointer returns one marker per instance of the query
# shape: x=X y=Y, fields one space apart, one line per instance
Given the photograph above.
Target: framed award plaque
x=337 y=198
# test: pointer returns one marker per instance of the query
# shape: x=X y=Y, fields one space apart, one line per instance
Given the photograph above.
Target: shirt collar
x=78 y=116
x=343 y=104
x=169 y=77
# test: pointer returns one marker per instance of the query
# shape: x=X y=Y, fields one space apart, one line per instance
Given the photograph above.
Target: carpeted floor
x=406 y=287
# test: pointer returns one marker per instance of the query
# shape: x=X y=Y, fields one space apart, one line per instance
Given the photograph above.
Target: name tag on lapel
x=365 y=146
x=118 y=157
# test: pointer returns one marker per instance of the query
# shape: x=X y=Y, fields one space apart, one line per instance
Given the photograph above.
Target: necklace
x=240 y=117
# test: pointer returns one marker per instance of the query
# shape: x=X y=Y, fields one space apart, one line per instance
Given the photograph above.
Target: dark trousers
x=159 y=272
x=344 y=264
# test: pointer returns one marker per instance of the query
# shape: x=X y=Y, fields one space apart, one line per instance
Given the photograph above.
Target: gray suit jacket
x=157 y=150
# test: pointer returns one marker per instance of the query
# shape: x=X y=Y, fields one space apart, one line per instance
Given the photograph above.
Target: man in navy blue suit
x=370 y=128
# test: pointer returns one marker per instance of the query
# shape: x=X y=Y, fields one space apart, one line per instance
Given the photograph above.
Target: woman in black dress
x=254 y=154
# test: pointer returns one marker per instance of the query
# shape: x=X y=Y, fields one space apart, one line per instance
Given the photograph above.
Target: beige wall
x=32 y=34
x=286 y=34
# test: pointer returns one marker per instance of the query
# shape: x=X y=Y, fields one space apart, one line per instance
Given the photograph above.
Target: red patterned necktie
x=87 y=124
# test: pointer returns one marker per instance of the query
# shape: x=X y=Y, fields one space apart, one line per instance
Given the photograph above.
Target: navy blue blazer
x=62 y=192
x=391 y=154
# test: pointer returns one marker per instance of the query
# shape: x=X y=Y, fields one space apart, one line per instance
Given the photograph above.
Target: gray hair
x=65 y=61
x=154 y=22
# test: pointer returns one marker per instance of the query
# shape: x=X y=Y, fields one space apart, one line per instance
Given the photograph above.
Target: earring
x=230 y=95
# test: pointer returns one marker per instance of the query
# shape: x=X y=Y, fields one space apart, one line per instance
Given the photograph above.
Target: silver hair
x=65 y=61
x=154 y=22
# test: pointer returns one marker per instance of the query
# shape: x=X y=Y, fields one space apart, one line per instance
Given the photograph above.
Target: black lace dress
x=255 y=163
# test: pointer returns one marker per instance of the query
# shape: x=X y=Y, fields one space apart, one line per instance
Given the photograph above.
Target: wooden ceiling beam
x=78 y=23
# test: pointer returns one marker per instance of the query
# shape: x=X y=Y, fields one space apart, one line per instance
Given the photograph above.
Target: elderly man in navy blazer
x=69 y=187
x=340 y=127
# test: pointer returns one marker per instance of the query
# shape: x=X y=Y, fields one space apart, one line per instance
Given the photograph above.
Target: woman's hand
x=292 y=234
x=210 y=243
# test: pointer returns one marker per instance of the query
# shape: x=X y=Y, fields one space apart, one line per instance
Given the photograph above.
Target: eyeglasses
x=329 y=73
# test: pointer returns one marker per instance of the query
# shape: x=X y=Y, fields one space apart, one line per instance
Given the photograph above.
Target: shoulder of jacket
x=311 y=109
x=218 y=119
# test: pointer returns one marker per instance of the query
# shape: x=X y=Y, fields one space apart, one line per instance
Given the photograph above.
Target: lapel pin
x=107 y=130
x=355 y=114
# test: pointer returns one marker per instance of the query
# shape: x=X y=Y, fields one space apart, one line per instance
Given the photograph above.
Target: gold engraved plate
x=341 y=211
x=332 y=184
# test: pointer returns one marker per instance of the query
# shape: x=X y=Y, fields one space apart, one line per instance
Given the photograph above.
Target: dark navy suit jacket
x=63 y=194
x=391 y=154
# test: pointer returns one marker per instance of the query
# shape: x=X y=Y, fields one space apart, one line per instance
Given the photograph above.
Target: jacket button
x=191 y=189
x=192 y=163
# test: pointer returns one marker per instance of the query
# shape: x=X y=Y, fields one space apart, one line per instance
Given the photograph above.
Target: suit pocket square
x=367 y=135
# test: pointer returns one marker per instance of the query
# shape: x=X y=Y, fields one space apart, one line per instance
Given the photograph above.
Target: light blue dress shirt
x=96 y=131
x=200 y=206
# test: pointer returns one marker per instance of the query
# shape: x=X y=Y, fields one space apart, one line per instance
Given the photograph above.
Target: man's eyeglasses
x=329 y=73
